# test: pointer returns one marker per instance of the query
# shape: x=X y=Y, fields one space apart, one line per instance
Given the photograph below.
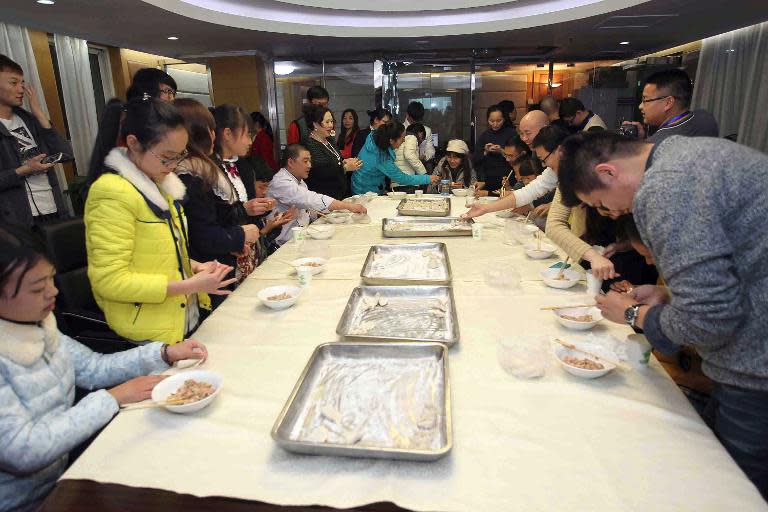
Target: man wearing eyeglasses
x=665 y=105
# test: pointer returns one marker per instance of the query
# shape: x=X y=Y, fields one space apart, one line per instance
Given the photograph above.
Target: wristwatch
x=630 y=314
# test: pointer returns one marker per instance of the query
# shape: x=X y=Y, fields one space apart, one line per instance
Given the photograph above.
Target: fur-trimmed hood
x=24 y=344
x=118 y=160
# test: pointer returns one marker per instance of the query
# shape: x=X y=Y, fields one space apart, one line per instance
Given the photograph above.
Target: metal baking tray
x=379 y=400
x=420 y=227
x=445 y=210
x=407 y=264
x=411 y=313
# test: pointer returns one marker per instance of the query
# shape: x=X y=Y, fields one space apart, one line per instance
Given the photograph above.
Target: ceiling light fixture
x=46 y=2
x=173 y=38
x=284 y=68
x=624 y=42
x=555 y=85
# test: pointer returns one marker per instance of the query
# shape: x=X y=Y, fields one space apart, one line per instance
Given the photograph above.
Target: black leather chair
x=77 y=313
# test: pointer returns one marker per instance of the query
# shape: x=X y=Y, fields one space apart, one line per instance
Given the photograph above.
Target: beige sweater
x=566 y=235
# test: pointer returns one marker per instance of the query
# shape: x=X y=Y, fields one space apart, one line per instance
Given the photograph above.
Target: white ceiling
x=389 y=19
x=141 y=25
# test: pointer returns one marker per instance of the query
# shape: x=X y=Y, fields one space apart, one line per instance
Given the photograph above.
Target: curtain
x=15 y=44
x=79 y=100
x=730 y=83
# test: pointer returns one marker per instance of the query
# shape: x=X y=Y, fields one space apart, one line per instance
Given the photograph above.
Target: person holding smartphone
x=30 y=194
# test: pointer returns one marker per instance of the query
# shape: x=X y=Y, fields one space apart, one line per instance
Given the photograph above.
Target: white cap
x=457 y=146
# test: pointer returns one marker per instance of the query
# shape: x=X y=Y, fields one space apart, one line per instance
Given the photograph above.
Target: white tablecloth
x=628 y=441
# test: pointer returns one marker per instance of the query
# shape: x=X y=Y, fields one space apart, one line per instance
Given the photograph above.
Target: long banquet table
x=629 y=441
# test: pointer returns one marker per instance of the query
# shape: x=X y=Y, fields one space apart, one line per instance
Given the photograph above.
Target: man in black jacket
x=29 y=189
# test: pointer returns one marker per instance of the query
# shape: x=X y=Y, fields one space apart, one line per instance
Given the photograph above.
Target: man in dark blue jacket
x=29 y=189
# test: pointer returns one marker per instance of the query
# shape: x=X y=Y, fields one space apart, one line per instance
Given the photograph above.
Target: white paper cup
x=298 y=234
x=469 y=201
x=419 y=192
x=305 y=276
x=594 y=285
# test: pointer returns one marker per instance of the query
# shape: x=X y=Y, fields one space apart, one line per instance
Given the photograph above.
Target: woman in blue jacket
x=378 y=156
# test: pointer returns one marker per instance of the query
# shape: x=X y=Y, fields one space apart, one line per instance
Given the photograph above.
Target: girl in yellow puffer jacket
x=136 y=232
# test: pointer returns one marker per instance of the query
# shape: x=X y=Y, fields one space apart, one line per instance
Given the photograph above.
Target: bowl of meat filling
x=188 y=391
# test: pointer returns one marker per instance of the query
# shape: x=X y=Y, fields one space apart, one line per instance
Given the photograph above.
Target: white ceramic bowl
x=338 y=217
x=533 y=251
x=460 y=192
x=396 y=195
x=167 y=387
x=302 y=262
x=320 y=231
x=577 y=325
x=561 y=352
x=293 y=291
x=571 y=278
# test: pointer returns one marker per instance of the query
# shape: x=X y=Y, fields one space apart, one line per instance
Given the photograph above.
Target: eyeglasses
x=168 y=91
x=171 y=163
x=544 y=160
x=649 y=100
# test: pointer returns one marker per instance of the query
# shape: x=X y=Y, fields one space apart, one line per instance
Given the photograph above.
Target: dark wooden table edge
x=88 y=495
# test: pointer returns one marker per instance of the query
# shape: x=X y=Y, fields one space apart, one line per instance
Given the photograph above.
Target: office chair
x=77 y=313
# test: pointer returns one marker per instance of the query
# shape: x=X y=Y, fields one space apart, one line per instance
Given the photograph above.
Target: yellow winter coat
x=133 y=253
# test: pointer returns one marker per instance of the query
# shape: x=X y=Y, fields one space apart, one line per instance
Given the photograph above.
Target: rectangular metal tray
x=412 y=313
x=440 y=275
x=343 y=402
x=428 y=229
x=402 y=208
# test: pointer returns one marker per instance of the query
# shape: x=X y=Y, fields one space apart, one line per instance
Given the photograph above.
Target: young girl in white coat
x=39 y=369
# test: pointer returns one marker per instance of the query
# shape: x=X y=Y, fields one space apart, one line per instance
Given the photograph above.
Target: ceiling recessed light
x=173 y=38
x=284 y=68
x=624 y=42
x=46 y=2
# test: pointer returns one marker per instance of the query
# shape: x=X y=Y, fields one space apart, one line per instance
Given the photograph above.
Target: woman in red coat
x=263 y=143
x=349 y=129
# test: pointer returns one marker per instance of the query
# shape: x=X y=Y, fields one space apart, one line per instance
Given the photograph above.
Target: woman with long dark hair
x=136 y=232
x=327 y=175
x=264 y=140
x=233 y=142
x=349 y=128
x=489 y=159
x=378 y=157
x=219 y=228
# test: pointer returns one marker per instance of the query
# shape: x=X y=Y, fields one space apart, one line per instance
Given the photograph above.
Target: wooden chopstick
x=567 y=306
x=150 y=405
x=562 y=269
x=616 y=362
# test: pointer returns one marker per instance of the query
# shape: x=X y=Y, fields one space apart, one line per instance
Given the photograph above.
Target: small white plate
x=536 y=252
x=571 y=278
x=293 y=291
x=168 y=386
x=303 y=262
x=577 y=325
x=460 y=192
x=320 y=231
x=561 y=352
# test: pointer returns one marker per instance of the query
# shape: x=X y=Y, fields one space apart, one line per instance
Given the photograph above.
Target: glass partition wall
x=457 y=92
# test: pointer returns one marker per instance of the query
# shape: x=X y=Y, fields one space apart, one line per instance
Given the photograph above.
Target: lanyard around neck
x=674 y=119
